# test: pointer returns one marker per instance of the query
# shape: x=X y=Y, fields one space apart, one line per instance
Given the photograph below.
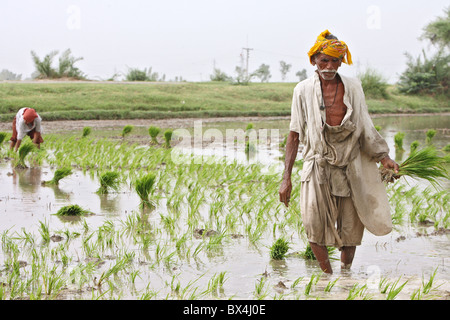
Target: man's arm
x=17 y=145
x=291 y=153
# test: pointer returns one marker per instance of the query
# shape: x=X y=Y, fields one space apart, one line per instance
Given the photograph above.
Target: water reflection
x=28 y=179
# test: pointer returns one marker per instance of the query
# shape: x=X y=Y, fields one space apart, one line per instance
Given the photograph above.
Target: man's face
x=327 y=66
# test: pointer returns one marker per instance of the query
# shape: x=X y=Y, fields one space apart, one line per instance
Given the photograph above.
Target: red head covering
x=29 y=115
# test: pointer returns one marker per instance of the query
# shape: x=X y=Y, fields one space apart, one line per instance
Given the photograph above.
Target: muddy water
x=403 y=253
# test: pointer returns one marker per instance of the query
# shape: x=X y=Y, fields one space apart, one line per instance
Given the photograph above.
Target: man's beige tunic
x=339 y=161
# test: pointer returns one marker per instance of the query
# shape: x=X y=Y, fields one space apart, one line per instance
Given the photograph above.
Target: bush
x=135 y=74
x=426 y=76
x=373 y=84
x=66 y=68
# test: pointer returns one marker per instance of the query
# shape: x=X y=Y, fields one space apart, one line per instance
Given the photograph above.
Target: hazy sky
x=188 y=37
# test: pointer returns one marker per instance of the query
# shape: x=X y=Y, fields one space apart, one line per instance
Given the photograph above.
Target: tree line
x=425 y=74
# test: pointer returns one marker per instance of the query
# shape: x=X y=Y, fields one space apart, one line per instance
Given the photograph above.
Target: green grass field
x=153 y=100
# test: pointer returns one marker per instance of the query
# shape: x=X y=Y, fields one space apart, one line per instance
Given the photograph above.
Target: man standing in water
x=342 y=192
x=26 y=122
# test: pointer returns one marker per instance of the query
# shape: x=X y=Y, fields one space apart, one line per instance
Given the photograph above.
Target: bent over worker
x=341 y=193
x=26 y=122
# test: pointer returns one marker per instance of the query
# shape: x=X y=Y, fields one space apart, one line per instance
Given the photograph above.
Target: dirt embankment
x=70 y=125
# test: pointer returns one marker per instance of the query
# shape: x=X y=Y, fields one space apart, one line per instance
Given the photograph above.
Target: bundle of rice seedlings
x=143 y=187
x=398 y=141
x=413 y=147
x=308 y=254
x=153 y=132
x=446 y=148
x=59 y=174
x=430 y=135
x=126 y=130
x=2 y=137
x=72 y=210
x=109 y=180
x=279 y=249
x=168 y=136
x=86 y=131
x=422 y=164
x=24 y=150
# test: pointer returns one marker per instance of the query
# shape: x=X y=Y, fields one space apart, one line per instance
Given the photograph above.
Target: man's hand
x=285 y=191
x=388 y=163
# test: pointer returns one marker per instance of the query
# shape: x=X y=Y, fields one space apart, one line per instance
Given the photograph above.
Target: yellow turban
x=331 y=47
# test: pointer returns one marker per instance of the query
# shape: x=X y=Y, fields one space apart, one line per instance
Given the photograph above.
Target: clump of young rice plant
x=250 y=147
x=126 y=130
x=153 y=132
x=167 y=137
x=279 y=249
x=414 y=146
x=86 y=131
x=24 y=150
x=430 y=135
x=143 y=187
x=59 y=174
x=2 y=138
x=423 y=164
x=72 y=210
x=446 y=148
x=398 y=141
x=109 y=180
x=308 y=254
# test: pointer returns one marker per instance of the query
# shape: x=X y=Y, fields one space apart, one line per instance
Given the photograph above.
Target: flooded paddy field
x=213 y=218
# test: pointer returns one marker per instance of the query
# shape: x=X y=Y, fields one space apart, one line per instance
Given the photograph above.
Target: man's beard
x=327 y=74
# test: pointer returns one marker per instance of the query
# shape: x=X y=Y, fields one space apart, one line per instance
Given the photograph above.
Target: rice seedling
x=109 y=180
x=394 y=290
x=398 y=141
x=72 y=210
x=312 y=281
x=430 y=135
x=279 y=249
x=261 y=289
x=215 y=284
x=143 y=187
x=44 y=231
x=296 y=282
x=126 y=130
x=24 y=151
x=53 y=281
x=58 y=175
x=153 y=132
x=330 y=285
x=428 y=286
x=86 y=131
x=423 y=164
x=168 y=137
x=120 y=265
x=357 y=291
